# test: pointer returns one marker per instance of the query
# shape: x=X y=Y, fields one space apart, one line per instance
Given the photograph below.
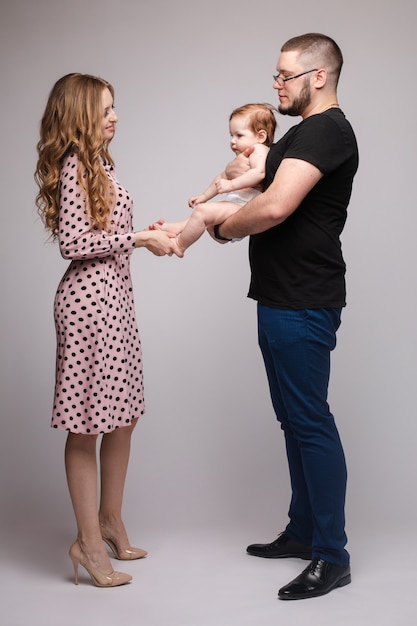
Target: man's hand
x=240 y=164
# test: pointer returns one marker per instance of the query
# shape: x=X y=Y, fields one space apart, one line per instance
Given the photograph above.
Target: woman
x=99 y=385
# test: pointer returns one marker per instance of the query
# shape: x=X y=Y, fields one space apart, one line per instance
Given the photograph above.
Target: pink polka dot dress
x=99 y=380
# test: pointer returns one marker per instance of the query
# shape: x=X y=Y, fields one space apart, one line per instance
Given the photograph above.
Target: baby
x=251 y=125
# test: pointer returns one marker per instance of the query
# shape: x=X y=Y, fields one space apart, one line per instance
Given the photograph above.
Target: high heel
x=78 y=557
x=125 y=555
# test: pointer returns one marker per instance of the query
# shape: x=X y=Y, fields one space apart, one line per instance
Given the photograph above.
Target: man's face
x=295 y=94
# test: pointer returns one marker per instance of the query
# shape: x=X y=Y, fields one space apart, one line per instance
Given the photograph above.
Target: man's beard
x=300 y=103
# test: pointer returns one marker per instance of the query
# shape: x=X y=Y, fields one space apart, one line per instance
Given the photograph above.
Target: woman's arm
x=158 y=242
x=79 y=239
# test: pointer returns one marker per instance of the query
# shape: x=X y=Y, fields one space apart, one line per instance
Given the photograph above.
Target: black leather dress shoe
x=317 y=579
x=281 y=548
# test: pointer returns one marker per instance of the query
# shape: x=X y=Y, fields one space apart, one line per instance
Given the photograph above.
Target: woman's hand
x=159 y=242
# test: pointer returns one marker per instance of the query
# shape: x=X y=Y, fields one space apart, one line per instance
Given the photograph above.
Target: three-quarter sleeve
x=78 y=239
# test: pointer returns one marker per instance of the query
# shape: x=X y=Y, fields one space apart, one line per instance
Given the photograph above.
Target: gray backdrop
x=209 y=450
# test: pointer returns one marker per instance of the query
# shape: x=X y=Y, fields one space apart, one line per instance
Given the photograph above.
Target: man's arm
x=293 y=180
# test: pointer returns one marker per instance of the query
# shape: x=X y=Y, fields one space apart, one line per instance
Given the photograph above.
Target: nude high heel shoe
x=125 y=555
x=114 y=579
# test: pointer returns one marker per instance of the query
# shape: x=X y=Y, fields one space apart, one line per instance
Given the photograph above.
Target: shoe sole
x=305 y=556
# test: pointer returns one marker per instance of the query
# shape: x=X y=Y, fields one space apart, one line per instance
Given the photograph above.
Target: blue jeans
x=296 y=348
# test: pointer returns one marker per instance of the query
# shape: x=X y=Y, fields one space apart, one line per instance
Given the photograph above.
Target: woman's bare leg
x=81 y=469
x=114 y=457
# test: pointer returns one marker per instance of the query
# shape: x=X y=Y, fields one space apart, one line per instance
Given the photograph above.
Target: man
x=298 y=280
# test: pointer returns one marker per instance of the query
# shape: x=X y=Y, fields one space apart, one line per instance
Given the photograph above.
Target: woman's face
x=109 y=119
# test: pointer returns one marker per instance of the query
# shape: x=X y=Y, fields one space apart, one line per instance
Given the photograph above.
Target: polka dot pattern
x=99 y=379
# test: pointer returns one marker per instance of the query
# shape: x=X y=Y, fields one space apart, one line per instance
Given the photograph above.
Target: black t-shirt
x=299 y=264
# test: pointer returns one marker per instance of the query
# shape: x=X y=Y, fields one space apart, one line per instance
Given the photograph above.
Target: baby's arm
x=178 y=227
x=208 y=194
x=252 y=178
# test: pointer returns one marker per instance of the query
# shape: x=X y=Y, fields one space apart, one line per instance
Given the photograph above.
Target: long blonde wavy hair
x=72 y=123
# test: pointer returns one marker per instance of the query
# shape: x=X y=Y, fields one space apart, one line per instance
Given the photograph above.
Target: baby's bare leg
x=204 y=215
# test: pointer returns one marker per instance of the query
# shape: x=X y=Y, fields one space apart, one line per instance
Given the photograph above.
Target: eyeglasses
x=281 y=80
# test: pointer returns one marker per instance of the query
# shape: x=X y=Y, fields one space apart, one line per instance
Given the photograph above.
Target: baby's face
x=241 y=136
